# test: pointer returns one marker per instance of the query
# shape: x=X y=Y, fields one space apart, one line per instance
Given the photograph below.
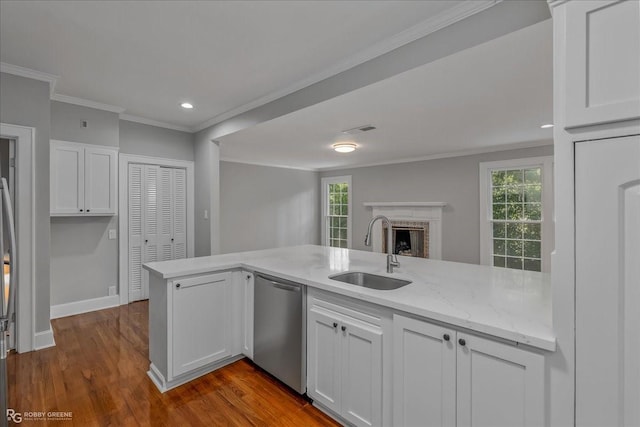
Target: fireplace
x=417 y=224
x=410 y=238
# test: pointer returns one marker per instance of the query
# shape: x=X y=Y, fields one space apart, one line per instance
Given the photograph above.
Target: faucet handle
x=394 y=260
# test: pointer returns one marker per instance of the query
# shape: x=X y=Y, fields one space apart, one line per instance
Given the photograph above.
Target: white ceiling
x=491 y=96
x=149 y=56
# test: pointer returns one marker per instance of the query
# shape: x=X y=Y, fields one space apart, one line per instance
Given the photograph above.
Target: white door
x=323 y=362
x=201 y=322
x=166 y=209
x=179 y=192
x=136 y=230
x=67 y=179
x=607 y=181
x=424 y=377
x=361 y=387
x=100 y=181
x=498 y=384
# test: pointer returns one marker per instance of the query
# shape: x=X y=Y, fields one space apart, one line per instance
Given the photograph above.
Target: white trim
x=86 y=103
x=267 y=165
x=156 y=123
x=430 y=212
x=163 y=385
x=405 y=204
x=546 y=162
x=16 y=70
x=422 y=29
x=123 y=213
x=84 y=306
x=324 y=182
x=460 y=153
x=44 y=339
x=26 y=232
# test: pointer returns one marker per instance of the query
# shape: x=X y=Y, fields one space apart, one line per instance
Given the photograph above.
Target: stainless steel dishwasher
x=279 y=332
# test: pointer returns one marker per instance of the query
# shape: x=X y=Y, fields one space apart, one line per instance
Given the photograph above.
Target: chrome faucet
x=392 y=260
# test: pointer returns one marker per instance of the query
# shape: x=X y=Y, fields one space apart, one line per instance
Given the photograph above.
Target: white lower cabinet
x=344 y=365
x=247 y=313
x=445 y=378
x=201 y=315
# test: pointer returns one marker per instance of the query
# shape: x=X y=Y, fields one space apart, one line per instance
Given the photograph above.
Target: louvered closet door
x=136 y=191
x=165 y=196
x=180 y=213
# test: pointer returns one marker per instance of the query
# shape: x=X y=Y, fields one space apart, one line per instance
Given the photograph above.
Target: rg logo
x=14 y=416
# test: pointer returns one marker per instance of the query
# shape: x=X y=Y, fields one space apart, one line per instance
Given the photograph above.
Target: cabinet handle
x=462 y=342
x=177 y=285
x=446 y=337
x=335 y=325
x=344 y=328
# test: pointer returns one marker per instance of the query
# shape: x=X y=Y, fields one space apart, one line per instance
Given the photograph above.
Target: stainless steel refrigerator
x=8 y=290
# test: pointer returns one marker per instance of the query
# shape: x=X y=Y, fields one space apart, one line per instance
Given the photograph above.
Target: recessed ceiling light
x=186 y=105
x=344 y=147
x=547 y=126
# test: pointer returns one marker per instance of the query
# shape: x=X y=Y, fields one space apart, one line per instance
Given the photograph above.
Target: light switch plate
x=112 y=234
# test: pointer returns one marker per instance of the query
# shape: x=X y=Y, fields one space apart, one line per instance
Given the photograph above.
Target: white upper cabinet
x=82 y=179
x=603 y=62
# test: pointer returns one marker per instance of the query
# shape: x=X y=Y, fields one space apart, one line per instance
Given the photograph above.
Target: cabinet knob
x=446 y=337
x=462 y=342
x=146 y=240
x=335 y=325
x=172 y=240
x=177 y=285
x=81 y=210
x=88 y=210
x=248 y=277
x=344 y=328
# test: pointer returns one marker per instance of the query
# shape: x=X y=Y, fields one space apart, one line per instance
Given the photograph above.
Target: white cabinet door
x=498 y=384
x=247 y=314
x=607 y=182
x=603 y=61
x=67 y=179
x=100 y=181
x=201 y=322
x=424 y=376
x=323 y=366
x=166 y=219
x=361 y=388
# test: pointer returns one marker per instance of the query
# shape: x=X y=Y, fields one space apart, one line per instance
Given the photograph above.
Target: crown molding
x=460 y=153
x=267 y=165
x=420 y=30
x=86 y=103
x=156 y=123
x=16 y=70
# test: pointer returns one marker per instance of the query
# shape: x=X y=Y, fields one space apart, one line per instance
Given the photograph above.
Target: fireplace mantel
x=430 y=212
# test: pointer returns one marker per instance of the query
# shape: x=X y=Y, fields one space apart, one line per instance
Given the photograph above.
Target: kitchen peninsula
x=373 y=357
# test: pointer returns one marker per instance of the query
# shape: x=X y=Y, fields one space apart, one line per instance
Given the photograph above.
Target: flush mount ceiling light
x=186 y=105
x=344 y=147
x=547 y=126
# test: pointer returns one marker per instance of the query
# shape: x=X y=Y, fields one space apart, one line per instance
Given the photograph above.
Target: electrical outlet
x=112 y=290
x=112 y=234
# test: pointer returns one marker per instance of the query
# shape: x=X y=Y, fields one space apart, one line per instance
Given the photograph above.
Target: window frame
x=324 y=220
x=546 y=220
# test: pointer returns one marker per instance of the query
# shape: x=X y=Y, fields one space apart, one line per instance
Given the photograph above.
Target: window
x=336 y=211
x=515 y=209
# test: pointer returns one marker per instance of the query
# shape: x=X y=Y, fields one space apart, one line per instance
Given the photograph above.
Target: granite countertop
x=505 y=303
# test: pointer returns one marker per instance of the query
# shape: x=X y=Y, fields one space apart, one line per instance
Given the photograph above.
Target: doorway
x=7 y=171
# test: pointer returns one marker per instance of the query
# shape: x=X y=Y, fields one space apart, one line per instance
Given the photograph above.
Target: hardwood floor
x=98 y=368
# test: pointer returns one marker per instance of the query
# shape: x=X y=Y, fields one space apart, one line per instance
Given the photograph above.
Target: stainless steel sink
x=372 y=281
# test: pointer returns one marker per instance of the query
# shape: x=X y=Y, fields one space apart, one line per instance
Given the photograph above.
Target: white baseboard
x=84 y=306
x=44 y=339
x=163 y=385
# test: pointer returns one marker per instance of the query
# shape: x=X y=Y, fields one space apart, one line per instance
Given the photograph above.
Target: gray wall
x=26 y=102
x=266 y=207
x=66 y=119
x=145 y=140
x=207 y=197
x=452 y=180
x=84 y=263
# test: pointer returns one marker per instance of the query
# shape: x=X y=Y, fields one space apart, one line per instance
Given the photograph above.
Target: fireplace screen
x=410 y=238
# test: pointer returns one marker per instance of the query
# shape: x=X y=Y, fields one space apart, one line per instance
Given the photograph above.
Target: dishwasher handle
x=283 y=286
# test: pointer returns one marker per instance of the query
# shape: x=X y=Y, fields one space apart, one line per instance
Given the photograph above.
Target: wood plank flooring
x=98 y=369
